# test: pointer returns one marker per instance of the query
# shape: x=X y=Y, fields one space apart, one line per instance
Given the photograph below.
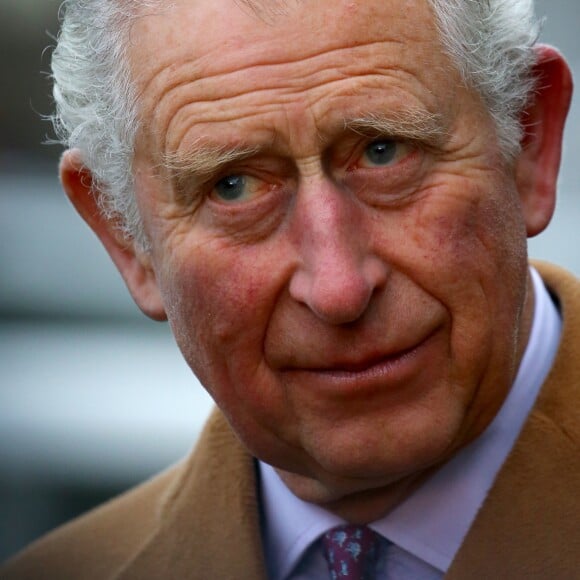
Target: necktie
x=351 y=552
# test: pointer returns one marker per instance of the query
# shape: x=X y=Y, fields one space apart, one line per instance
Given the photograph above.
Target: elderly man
x=329 y=201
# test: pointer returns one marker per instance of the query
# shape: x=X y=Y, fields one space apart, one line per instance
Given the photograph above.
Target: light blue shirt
x=423 y=534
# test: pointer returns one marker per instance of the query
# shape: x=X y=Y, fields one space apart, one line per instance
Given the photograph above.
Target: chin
x=389 y=448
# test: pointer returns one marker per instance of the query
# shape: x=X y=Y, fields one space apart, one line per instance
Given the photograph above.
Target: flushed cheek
x=452 y=244
x=221 y=301
x=463 y=229
x=220 y=316
x=216 y=298
x=475 y=244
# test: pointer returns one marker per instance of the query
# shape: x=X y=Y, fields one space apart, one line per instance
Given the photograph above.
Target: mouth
x=369 y=365
x=363 y=374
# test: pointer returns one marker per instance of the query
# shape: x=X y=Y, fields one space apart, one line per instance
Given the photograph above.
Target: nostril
x=338 y=294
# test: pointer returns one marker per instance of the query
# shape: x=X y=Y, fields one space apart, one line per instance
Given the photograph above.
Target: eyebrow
x=202 y=160
x=412 y=124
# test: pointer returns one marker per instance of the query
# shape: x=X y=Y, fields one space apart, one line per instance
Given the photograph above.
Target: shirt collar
x=289 y=525
x=423 y=524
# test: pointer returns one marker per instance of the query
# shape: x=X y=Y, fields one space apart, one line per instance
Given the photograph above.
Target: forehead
x=225 y=53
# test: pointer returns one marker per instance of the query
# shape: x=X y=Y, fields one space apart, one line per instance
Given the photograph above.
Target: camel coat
x=200 y=519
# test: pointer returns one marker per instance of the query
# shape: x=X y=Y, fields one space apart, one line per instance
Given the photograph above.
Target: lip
x=367 y=367
x=368 y=373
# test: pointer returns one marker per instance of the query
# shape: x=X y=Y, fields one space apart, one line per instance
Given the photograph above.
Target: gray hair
x=489 y=41
x=491 y=44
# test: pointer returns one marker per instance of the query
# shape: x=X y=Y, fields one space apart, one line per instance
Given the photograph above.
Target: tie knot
x=351 y=552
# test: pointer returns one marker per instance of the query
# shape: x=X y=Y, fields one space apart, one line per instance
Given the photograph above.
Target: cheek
x=476 y=265
x=221 y=302
x=465 y=246
x=211 y=296
x=465 y=237
x=220 y=299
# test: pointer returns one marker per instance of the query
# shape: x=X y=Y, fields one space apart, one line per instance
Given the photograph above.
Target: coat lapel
x=208 y=525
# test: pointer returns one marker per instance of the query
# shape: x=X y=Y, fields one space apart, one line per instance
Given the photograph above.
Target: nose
x=338 y=273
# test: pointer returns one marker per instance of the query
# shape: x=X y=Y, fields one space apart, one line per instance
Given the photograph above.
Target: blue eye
x=381 y=152
x=231 y=188
x=239 y=188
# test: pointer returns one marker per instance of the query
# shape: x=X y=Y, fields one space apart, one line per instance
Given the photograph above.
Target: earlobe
x=134 y=265
x=539 y=162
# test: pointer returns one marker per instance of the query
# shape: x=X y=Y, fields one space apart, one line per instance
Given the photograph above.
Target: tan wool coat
x=200 y=519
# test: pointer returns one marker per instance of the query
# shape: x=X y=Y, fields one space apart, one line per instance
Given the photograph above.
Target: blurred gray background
x=93 y=396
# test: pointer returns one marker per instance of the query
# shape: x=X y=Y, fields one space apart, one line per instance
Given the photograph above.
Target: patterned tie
x=351 y=552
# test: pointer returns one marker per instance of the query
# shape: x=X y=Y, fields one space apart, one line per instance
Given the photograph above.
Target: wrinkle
x=179 y=82
x=412 y=123
x=189 y=71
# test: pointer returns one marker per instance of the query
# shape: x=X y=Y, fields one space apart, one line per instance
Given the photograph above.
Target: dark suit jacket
x=200 y=519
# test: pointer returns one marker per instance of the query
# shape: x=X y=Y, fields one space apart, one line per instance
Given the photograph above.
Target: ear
x=133 y=264
x=543 y=121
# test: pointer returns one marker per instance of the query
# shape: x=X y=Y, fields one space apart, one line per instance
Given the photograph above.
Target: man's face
x=337 y=242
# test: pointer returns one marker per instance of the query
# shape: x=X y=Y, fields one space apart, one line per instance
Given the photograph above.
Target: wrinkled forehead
x=276 y=28
x=198 y=60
